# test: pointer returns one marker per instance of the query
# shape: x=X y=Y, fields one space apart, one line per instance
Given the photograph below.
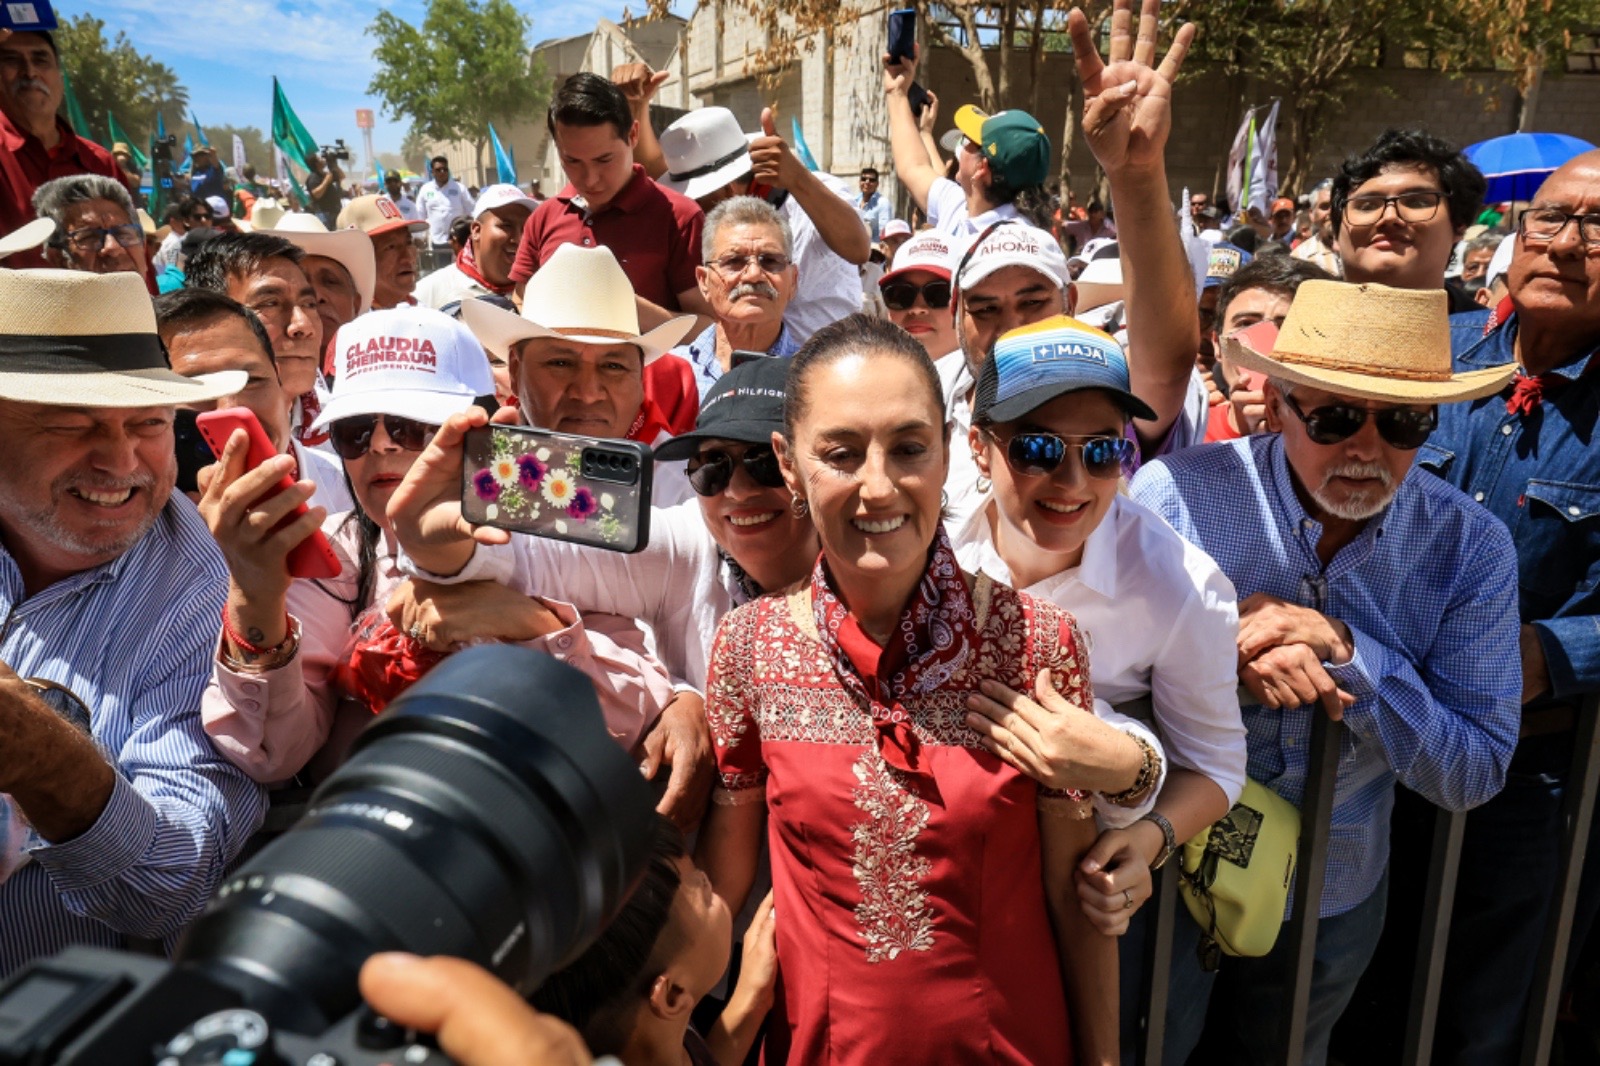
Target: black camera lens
x=486 y=814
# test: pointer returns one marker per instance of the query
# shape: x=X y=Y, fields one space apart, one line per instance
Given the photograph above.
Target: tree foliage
x=257 y=152
x=113 y=76
x=467 y=65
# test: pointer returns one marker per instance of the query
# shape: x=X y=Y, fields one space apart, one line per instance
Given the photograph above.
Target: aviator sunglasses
x=352 y=437
x=1037 y=454
x=1401 y=427
x=711 y=471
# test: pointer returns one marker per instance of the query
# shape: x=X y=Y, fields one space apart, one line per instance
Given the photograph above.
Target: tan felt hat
x=77 y=339
x=1367 y=341
x=579 y=293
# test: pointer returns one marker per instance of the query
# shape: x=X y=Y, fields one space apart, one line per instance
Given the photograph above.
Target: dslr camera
x=486 y=814
x=336 y=153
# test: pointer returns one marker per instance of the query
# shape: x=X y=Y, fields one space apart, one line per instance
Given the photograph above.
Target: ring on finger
x=1127 y=897
x=415 y=632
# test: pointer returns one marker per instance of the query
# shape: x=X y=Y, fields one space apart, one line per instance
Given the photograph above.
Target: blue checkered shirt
x=1429 y=591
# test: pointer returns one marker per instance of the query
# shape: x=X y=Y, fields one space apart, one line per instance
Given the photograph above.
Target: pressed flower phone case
x=585 y=490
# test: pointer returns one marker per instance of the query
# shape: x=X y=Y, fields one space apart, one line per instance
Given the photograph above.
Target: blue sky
x=227 y=53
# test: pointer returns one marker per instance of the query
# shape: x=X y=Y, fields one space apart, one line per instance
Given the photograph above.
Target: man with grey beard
x=748 y=278
x=1369 y=590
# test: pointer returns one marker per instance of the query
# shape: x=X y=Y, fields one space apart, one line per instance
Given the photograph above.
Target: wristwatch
x=1168 y=835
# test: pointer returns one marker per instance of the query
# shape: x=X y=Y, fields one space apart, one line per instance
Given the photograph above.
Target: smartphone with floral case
x=584 y=490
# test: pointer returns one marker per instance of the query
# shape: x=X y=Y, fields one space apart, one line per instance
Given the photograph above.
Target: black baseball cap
x=745 y=405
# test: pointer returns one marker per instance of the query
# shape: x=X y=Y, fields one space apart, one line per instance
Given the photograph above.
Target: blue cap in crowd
x=1033 y=365
x=1224 y=262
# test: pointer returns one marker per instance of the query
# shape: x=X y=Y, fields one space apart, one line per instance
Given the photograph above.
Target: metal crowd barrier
x=1583 y=783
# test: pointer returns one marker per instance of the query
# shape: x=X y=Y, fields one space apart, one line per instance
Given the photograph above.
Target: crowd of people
x=995 y=552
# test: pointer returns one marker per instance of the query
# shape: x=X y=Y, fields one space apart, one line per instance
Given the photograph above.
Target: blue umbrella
x=1518 y=163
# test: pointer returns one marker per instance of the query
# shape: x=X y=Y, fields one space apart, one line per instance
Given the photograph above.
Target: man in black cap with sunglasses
x=1370 y=591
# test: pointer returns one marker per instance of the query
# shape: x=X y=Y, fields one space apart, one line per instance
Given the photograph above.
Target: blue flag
x=800 y=148
x=161 y=127
x=188 y=154
x=198 y=131
x=381 y=179
x=504 y=165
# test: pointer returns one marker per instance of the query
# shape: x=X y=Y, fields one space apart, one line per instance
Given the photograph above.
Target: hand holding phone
x=262 y=484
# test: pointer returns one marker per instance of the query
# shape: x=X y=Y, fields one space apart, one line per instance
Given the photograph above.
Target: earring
x=798 y=506
x=944 y=501
x=984 y=485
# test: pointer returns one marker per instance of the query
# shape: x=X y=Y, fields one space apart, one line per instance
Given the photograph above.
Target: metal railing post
x=1444 y=863
x=1157 y=986
x=1316 y=815
x=1577 y=810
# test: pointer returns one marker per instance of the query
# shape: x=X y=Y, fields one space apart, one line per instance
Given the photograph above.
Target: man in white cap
x=709 y=159
x=342 y=268
x=916 y=292
x=392 y=246
x=484 y=262
x=112 y=587
x=1370 y=591
x=896 y=232
x=577 y=355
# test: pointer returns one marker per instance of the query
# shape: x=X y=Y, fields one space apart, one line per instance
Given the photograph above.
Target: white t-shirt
x=1161 y=622
x=445 y=286
x=947 y=211
x=440 y=207
x=327 y=472
x=961 y=483
x=829 y=287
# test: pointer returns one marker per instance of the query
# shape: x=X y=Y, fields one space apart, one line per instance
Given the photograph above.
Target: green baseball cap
x=1013 y=142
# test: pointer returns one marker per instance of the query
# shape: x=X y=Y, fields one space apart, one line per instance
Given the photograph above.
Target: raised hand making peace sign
x=1127 y=101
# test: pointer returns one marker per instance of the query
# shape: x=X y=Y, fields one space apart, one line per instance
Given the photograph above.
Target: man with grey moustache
x=1369 y=590
x=748 y=278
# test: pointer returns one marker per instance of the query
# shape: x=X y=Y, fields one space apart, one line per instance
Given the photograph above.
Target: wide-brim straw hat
x=580 y=294
x=27 y=236
x=351 y=248
x=78 y=339
x=1366 y=341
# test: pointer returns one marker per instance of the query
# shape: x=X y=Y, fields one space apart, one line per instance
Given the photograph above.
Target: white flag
x=1237 y=159
x=1267 y=153
x=238 y=155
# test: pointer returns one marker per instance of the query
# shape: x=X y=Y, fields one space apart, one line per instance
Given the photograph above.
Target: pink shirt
x=271 y=724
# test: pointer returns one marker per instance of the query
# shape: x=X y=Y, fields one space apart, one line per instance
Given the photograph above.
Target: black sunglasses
x=352 y=437
x=902 y=295
x=711 y=471
x=1037 y=454
x=1401 y=427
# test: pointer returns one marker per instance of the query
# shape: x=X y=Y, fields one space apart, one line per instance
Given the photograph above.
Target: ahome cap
x=1034 y=364
x=1014 y=244
x=1012 y=141
x=745 y=404
x=413 y=362
x=503 y=195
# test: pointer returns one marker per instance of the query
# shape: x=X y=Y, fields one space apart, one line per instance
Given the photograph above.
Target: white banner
x=238 y=155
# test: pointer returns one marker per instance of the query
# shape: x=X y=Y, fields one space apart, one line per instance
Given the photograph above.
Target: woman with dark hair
x=273 y=696
x=925 y=888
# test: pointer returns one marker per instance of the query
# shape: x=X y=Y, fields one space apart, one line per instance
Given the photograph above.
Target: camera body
x=486 y=814
x=161 y=150
x=337 y=152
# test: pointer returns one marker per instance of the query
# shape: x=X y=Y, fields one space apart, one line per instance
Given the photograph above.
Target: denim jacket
x=1540 y=475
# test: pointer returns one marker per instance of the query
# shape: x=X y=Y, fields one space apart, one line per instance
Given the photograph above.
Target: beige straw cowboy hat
x=350 y=248
x=581 y=294
x=78 y=339
x=1367 y=341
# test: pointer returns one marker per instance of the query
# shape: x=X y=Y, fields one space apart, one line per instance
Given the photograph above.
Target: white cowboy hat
x=581 y=294
x=1100 y=284
x=704 y=150
x=77 y=339
x=1367 y=341
x=350 y=247
x=27 y=236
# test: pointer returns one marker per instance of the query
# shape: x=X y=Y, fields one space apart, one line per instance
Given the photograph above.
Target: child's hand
x=758 y=970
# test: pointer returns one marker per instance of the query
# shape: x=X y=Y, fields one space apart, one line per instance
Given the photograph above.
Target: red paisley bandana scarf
x=936 y=635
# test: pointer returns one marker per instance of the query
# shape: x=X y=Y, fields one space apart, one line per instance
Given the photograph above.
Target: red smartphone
x=312 y=557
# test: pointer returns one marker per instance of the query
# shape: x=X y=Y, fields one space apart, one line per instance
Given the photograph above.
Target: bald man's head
x=1557 y=279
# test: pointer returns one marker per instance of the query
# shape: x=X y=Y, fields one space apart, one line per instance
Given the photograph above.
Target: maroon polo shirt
x=653 y=232
x=25 y=164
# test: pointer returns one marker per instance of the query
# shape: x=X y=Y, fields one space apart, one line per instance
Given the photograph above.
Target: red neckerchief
x=935 y=636
x=649 y=424
x=1502 y=311
x=310 y=408
x=1528 y=392
x=467 y=263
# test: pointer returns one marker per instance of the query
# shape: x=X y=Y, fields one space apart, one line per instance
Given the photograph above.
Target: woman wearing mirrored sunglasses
x=274 y=705
x=1051 y=435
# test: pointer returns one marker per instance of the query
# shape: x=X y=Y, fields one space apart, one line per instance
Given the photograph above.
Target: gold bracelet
x=275 y=657
x=1144 y=784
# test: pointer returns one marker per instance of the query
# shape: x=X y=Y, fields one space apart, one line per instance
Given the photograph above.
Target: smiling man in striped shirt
x=117 y=816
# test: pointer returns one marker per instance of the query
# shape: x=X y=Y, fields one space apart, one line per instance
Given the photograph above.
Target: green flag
x=157 y=203
x=75 y=115
x=288 y=132
x=119 y=136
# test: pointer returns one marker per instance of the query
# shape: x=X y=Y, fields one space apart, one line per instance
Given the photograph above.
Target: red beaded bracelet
x=244 y=645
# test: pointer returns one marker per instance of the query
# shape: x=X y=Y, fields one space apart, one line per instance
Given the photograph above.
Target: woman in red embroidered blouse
x=924 y=894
